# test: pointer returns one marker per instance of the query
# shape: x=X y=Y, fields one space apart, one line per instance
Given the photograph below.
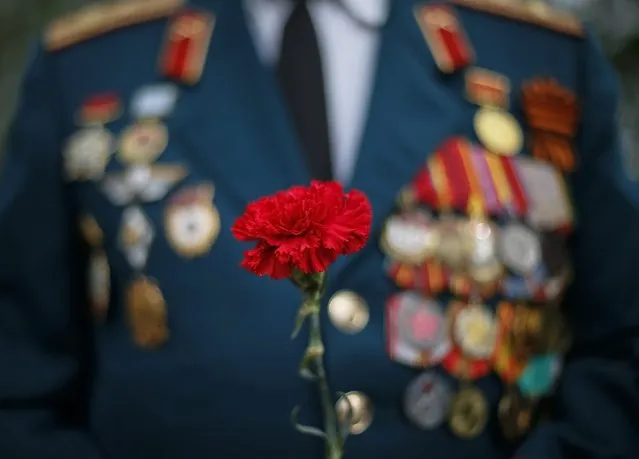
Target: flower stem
x=334 y=440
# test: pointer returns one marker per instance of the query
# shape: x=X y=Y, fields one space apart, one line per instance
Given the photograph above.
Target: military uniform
x=502 y=220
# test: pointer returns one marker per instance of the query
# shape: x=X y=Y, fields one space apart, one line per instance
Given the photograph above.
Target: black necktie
x=302 y=82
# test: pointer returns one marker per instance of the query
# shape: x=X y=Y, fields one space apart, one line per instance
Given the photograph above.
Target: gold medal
x=515 y=415
x=468 y=413
x=91 y=231
x=475 y=331
x=146 y=313
x=143 y=142
x=192 y=221
x=499 y=131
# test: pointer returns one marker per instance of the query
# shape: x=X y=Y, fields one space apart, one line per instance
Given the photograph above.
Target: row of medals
x=141 y=182
x=484 y=253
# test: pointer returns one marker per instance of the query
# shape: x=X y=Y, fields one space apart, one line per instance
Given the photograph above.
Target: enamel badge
x=186 y=46
x=445 y=36
x=143 y=142
x=416 y=329
x=192 y=221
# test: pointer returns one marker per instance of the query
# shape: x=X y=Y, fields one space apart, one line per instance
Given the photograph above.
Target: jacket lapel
x=414 y=108
x=232 y=124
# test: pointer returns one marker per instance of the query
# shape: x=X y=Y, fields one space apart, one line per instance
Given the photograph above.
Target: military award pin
x=192 y=221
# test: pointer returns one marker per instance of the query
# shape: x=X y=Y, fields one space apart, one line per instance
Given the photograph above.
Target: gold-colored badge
x=192 y=221
x=99 y=272
x=147 y=313
x=552 y=112
x=468 y=413
x=143 y=142
x=499 y=131
x=515 y=414
x=99 y=280
x=474 y=330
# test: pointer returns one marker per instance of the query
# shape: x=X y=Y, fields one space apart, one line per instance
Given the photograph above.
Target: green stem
x=334 y=441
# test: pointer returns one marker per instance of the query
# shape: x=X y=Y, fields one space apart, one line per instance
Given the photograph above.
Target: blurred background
x=615 y=21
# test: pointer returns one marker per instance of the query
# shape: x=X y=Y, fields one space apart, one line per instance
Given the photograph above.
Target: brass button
x=348 y=312
x=356 y=410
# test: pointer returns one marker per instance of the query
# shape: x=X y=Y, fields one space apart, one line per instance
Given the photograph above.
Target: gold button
x=348 y=312
x=356 y=410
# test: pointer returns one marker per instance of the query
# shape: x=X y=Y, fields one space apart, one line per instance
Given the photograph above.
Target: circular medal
x=475 y=331
x=468 y=413
x=146 y=313
x=192 y=221
x=427 y=401
x=87 y=153
x=520 y=249
x=143 y=142
x=540 y=375
x=422 y=325
x=409 y=237
x=515 y=415
x=498 y=131
x=451 y=249
x=483 y=265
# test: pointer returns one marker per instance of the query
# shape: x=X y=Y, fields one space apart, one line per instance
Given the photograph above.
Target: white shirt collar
x=369 y=11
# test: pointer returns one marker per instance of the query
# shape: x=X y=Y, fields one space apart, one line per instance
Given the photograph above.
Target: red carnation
x=303 y=228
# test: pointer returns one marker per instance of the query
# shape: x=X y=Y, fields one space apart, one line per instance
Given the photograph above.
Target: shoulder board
x=98 y=19
x=537 y=13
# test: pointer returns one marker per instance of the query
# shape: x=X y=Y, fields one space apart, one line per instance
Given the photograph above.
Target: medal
x=99 y=110
x=91 y=231
x=480 y=240
x=515 y=415
x=427 y=401
x=475 y=331
x=520 y=249
x=146 y=313
x=409 y=237
x=156 y=101
x=141 y=182
x=451 y=249
x=143 y=142
x=540 y=375
x=99 y=283
x=192 y=221
x=498 y=131
x=87 y=153
x=136 y=236
x=468 y=413
x=528 y=331
x=416 y=330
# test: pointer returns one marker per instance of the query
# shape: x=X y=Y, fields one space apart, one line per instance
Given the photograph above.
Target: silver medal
x=141 y=182
x=427 y=400
x=410 y=237
x=136 y=236
x=520 y=249
x=87 y=153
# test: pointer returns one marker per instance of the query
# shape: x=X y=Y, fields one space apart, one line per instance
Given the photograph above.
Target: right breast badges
x=477 y=250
